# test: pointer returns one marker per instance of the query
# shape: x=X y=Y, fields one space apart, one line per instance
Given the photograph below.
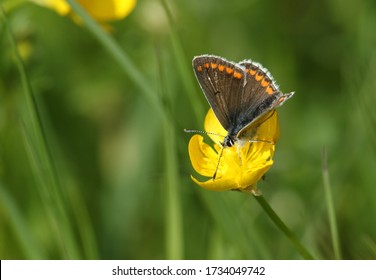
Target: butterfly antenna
x=201 y=131
x=264 y=141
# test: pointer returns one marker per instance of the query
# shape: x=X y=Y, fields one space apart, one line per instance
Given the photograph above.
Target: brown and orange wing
x=222 y=82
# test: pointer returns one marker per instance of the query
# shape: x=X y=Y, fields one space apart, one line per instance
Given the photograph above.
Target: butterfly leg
x=240 y=155
x=216 y=168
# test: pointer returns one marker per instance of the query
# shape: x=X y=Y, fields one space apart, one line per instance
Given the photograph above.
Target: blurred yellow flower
x=240 y=166
x=101 y=10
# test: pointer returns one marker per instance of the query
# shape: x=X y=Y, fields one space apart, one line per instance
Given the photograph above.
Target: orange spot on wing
x=259 y=76
x=206 y=65
x=229 y=70
x=237 y=75
x=264 y=83
x=199 y=68
x=252 y=72
x=221 y=67
x=213 y=65
x=269 y=90
x=281 y=100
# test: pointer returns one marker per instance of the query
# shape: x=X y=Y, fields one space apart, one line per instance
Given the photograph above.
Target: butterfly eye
x=228 y=142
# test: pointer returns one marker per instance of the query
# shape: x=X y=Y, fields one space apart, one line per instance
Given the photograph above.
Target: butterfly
x=240 y=94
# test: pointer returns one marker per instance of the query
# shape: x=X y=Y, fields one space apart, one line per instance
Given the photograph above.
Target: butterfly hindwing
x=259 y=87
x=260 y=96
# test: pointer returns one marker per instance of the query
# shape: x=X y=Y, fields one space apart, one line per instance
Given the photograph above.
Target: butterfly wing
x=222 y=83
x=260 y=96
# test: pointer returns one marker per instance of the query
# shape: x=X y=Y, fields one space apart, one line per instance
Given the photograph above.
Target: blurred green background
x=121 y=171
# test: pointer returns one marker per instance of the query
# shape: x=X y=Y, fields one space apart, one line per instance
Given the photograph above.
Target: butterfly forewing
x=222 y=82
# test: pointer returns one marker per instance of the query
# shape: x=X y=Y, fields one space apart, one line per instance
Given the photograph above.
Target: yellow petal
x=240 y=173
x=214 y=127
x=203 y=157
x=101 y=10
x=245 y=182
x=104 y=10
x=216 y=185
x=269 y=129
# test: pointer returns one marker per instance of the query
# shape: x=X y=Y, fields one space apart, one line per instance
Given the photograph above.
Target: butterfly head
x=229 y=141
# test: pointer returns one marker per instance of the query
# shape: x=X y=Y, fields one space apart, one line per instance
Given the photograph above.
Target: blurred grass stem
x=41 y=162
x=173 y=223
x=330 y=206
x=282 y=226
x=119 y=56
x=174 y=230
x=19 y=225
x=185 y=72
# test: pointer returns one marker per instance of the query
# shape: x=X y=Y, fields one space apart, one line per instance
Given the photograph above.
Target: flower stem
x=282 y=226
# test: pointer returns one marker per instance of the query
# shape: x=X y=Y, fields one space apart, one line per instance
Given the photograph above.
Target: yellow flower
x=101 y=10
x=240 y=166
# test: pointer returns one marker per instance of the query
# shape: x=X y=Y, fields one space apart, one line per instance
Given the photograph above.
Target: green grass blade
x=72 y=190
x=174 y=226
x=20 y=228
x=41 y=161
x=330 y=207
x=185 y=72
x=119 y=56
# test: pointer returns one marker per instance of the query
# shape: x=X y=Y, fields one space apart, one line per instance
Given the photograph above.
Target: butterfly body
x=242 y=95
